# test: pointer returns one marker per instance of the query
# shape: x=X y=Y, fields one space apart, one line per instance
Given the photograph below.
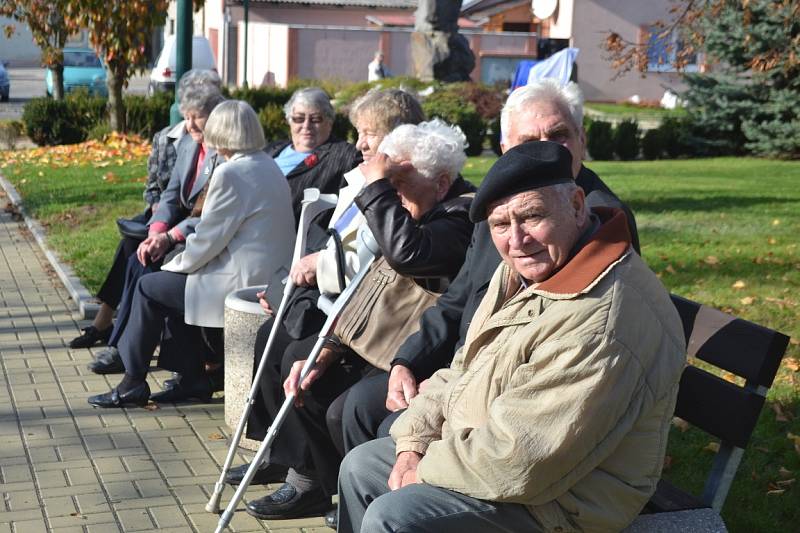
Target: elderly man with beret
x=554 y=414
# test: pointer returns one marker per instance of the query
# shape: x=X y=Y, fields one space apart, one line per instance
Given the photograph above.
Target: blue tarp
x=557 y=66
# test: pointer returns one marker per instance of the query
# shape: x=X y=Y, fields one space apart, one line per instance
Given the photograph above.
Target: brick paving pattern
x=66 y=466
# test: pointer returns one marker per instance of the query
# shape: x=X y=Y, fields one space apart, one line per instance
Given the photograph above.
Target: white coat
x=327 y=273
x=245 y=234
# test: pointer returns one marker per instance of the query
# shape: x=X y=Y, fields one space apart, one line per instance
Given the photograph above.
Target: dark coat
x=333 y=159
x=443 y=327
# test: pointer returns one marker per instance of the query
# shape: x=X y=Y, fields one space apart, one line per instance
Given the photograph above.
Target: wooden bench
x=723 y=409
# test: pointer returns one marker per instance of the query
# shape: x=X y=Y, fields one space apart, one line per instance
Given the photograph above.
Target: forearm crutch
x=313 y=204
x=272 y=432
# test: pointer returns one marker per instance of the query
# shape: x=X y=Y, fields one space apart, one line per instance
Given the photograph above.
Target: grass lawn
x=632 y=111
x=720 y=231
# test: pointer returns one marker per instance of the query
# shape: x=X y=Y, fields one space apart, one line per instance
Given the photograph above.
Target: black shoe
x=107 y=361
x=287 y=503
x=264 y=476
x=332 y=518
x=136 y=396
x=91 y=336
x=180 y=391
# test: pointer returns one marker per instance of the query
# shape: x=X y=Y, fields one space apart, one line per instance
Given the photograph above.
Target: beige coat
x=562 y=395
x=245 y=235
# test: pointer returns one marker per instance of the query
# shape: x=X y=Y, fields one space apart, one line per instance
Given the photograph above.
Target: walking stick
x=313 y=204
x=272 y=432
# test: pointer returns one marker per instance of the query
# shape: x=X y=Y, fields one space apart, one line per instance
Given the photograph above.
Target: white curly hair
x=433 y=148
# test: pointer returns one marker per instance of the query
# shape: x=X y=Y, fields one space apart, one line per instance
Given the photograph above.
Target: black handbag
x=134 y=228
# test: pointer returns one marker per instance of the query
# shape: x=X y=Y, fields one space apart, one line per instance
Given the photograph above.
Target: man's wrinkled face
x=545 y=121
x=309 y=127
x=535 y=230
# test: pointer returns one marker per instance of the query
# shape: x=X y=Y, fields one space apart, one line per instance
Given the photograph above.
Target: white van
x=162 y=77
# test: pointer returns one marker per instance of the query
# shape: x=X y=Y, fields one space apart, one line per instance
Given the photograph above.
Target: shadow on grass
x=726 y=203
x=752 y=503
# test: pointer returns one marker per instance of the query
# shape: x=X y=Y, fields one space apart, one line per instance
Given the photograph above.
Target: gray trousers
x=367 y=505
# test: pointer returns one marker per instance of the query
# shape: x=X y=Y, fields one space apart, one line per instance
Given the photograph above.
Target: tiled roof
x=397 y=4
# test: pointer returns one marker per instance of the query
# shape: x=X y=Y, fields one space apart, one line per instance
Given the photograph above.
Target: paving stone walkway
x=66 y=466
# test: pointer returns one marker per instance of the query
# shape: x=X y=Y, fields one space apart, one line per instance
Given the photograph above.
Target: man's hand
x=262 y=301
x=402 y=387
x=290 y=385
x=304 y=273
x=405 y=470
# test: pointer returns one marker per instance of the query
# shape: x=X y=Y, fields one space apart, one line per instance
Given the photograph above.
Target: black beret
x=527 y=166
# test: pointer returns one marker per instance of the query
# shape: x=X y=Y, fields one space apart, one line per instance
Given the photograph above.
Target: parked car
x=5 y=83
x=162 y=77
x=82 y=68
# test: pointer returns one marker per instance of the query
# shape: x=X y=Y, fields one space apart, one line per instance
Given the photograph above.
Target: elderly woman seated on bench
x=245 y=233
x=554 y=414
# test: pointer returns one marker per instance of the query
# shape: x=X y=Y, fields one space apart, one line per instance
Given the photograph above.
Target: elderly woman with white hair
x=244 y=235
x=415 y=204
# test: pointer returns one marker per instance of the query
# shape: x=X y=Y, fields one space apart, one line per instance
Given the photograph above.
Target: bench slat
x=723 y=409
x=738 y=346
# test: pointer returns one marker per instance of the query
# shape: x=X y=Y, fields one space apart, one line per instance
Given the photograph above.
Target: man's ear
x=578 y=203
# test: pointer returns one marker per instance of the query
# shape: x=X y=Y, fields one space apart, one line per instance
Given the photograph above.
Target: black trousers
x=111 y=290
x=133 y=271
x=363 y=415
x=159 y=296
x=303 y=441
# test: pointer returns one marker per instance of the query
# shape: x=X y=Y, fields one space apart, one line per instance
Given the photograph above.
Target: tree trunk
x=116 y=107
x=57 y=72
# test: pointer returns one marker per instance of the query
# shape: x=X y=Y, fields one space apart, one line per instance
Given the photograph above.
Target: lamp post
x=183 y=51
x=246 y=4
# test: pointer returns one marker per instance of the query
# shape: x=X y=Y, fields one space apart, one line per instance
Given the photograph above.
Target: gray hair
x=387 y=109
x=313 y=97
x=568 y=97
x=564 y=193
x=433 y=147
x=199 y=76
x=234 y=126
x=200 y=98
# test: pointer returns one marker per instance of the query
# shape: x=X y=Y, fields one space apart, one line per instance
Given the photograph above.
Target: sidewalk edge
x=86 y=306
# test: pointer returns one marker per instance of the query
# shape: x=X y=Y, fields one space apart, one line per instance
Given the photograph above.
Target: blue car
x=82 y=68
x=5 y=84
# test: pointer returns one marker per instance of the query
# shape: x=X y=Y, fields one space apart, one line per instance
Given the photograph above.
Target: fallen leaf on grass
x=711 y=260
x=794 y=342
x=780 y=415
x=747 y=300
x=680 y=423
x=784 y=472
x=785 y=483
x=776 y=222
x=729 y=377
x=712 y=447
x=670 y=269
x=792 y=364
x=216 y=436
x=739 y=284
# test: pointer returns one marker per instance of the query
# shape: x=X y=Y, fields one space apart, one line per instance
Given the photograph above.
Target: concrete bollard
x=243 y=317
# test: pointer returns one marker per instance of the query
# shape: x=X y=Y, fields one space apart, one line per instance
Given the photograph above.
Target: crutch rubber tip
x=213 y=504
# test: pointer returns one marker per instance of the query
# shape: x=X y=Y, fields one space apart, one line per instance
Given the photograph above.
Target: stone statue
x=438 y=50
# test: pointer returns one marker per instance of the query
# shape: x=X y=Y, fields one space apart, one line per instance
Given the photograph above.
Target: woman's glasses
x=300 y=119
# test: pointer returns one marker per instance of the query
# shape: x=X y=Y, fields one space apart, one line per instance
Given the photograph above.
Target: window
x=663 y=51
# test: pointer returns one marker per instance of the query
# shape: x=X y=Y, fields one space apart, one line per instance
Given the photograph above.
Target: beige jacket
x=245 y=235
x=562 y=395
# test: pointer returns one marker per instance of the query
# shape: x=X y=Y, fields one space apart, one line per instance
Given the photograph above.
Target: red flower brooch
x=311 y=160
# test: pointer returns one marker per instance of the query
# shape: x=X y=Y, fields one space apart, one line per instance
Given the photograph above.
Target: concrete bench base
x=243 y=317
x=696 y=521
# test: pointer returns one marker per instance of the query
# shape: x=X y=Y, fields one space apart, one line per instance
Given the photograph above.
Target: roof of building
x=396 y=4
x=486 y=7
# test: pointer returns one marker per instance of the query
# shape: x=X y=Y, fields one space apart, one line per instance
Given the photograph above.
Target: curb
x=87 y=307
